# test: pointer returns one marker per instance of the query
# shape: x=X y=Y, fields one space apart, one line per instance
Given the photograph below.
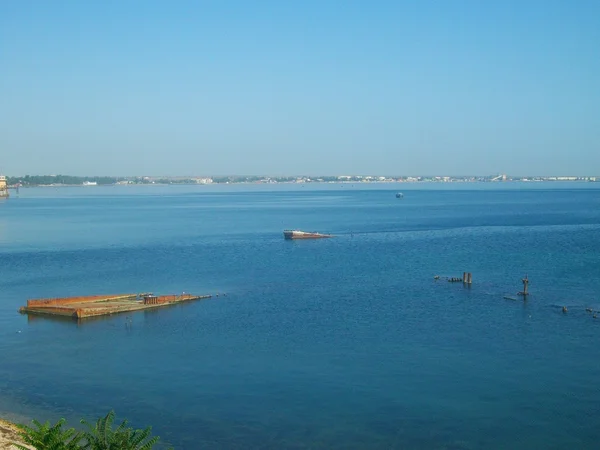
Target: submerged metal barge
x=102 y=305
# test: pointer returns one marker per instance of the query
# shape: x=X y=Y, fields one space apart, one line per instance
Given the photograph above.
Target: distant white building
x=90 y=183
x=204 y=180
x=3 y=187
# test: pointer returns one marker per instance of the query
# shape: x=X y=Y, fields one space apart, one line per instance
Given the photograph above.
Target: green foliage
x=101 y=436
x=46 y=437
x=39 y=180
x=223 y=179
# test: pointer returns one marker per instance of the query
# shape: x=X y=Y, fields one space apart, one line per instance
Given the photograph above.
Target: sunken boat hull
x=297 y=234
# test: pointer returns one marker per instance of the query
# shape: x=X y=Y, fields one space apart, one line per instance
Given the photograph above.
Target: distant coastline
x=68 y=180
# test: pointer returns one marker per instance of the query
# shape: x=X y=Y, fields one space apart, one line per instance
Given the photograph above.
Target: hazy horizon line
x=304 y=175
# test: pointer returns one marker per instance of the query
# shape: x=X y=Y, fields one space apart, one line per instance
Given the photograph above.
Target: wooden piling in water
x=524 y=292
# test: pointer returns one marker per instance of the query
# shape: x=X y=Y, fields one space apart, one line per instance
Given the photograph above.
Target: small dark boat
x=399 y=195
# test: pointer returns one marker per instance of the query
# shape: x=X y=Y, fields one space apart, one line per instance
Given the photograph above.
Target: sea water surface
x=343 y=343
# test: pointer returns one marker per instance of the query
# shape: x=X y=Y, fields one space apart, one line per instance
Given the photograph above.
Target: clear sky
x=123 y=87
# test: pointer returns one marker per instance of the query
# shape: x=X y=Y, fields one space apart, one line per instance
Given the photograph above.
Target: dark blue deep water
x=340 y=343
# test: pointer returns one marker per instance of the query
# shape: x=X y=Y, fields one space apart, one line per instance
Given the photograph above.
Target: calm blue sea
x=340 y=343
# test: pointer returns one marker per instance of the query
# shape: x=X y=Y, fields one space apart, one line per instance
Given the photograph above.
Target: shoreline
x=394 y=182
x=9 y=433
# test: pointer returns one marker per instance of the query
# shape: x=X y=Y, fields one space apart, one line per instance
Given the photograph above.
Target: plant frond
x=139 y=436
x=19 y=446
x=148 y=445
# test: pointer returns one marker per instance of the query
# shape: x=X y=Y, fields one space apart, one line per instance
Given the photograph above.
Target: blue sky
x=314 y=87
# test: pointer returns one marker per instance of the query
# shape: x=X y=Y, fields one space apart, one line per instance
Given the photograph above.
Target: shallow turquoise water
x=340 y=343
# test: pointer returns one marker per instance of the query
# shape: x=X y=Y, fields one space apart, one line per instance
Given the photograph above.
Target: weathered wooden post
x=467 y=277
x=525 y=293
